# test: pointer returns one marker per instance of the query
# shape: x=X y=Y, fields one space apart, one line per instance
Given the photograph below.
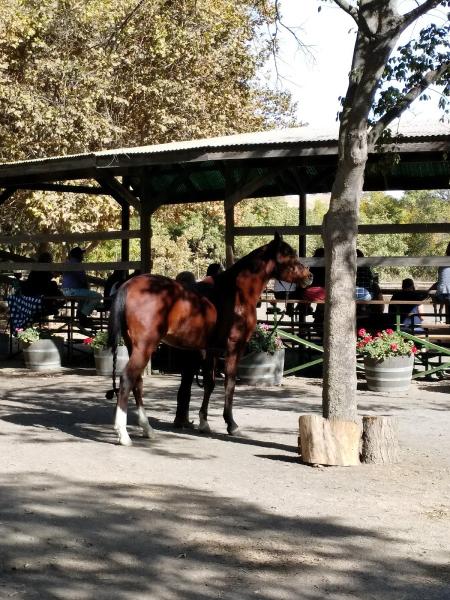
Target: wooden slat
x=387 y=261
x=26 y=238
x=388 y=228
x=64 y=267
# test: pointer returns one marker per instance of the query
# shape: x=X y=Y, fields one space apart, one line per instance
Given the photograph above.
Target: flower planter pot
x=390 y=374
x=260 y=368
x=104 y=360
x=43 y=355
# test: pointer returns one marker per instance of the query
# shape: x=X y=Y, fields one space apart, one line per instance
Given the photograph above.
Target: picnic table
x=433 y=341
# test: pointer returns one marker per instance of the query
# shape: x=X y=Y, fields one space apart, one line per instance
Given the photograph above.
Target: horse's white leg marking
x=120 y=425
x=148 y=430
x=204 y=425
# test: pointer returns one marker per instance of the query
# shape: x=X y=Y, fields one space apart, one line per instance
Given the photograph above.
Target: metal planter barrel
x=391 y=374
x=261 y=368
x=104 y=360
x=43 y=355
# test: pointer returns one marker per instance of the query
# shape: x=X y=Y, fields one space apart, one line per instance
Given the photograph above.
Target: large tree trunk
x=340 y=225
x=339 y=233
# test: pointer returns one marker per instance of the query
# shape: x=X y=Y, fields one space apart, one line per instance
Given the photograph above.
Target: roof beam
x=245 y=190
x=6 y=194
x=59 y=187
x=118 y=191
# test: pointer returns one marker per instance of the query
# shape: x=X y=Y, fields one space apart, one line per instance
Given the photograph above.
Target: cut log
x=379 y=440
x=329 y=441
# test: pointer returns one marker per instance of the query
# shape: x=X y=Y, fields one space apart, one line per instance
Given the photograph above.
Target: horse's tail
x=116 y=330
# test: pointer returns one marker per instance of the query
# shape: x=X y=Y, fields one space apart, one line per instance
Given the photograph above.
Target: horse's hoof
x=125 y=440
x=204 y=427
x=233 y=430
x=185 y=424
x=149 y=434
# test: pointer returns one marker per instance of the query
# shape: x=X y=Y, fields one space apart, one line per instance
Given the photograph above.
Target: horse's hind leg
x=231 y=363
x=209 y=382
x=128 y=380
x=191 y=363
x=147 y=429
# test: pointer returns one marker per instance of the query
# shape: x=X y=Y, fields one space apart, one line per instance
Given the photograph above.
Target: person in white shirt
x=283 y=290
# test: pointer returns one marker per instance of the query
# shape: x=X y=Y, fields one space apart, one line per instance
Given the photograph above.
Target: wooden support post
x=146 y=238
x=148 y=207
x=125 y=221
x=329 y=441
x=379 y=440
x=229 y=232
x=302 y=223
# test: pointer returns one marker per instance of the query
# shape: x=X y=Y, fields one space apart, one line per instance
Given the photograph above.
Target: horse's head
x=287 y=265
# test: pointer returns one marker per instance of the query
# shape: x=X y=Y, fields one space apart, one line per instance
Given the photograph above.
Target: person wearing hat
x=75 y=283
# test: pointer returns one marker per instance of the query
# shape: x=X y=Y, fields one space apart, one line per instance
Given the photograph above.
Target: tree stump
x=329 y=441
x=379 y=440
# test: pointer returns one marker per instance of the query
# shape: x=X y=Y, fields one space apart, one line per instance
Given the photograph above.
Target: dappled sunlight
x=163 y=541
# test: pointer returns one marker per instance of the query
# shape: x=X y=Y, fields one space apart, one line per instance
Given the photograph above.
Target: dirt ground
x=194 y=517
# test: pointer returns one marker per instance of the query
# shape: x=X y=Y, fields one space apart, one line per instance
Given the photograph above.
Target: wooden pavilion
x=297 y=161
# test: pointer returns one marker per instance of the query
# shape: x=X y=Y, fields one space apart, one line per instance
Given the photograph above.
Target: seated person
x=187 y=279
x=112 y=284
x=365 y=280
x=41 y=283
x=316 y=291
x=283 y=290
x=410 y=316
x=75 y=283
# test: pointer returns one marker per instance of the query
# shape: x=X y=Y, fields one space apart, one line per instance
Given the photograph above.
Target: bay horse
x=149 y=309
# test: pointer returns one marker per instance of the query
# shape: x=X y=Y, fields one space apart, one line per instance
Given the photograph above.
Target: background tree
x=98 y=74
x=408 y=73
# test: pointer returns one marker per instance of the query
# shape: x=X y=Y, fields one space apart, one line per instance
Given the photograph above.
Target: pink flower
x=414 y=350
x=88 y=341
x=362 y=332
x=389 y=331
x=19 y=330
x=394 y=347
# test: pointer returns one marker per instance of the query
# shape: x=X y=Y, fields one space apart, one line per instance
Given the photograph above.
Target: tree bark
x=380 y=440
x=373 y=46
x=329 y=441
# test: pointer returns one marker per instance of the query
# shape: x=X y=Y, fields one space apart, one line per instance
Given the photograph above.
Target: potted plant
x=388 y=360
x=103 y=356
x=264 y=362
x=40 y=350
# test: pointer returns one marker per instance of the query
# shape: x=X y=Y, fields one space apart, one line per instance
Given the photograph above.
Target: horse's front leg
x=209 y=383
x=231 y=362
x=147 y=429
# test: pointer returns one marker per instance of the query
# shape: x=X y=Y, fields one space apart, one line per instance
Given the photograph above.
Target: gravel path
x=194 y=517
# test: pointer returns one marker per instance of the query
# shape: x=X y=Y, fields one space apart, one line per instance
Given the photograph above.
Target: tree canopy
x=98 y=74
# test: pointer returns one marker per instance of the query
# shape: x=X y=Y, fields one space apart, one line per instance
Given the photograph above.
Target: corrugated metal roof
x=296 y=135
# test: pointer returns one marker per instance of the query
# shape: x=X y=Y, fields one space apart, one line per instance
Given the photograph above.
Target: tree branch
x=405 y=102
x=417 y=12
x=349 y=9
x=356 y=16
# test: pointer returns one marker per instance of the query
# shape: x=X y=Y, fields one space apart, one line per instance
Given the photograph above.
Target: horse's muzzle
x=306 y=281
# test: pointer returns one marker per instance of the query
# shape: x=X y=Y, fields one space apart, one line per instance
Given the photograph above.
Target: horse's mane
x=252 y=261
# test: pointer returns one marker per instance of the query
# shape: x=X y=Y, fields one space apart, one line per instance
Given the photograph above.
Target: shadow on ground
x=69 y=539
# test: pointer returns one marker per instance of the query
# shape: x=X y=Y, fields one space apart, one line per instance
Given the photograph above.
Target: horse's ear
x=277 y=238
